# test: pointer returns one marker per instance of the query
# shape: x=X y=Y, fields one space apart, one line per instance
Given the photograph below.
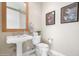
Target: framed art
x=50 y=18
x=69 y=13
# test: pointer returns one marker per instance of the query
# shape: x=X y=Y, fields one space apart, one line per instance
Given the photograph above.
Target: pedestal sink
x=18 y=40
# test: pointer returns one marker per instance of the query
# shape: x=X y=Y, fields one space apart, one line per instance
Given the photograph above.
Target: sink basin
x=18 y=40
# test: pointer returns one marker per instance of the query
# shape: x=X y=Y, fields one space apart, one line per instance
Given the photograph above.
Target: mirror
x=15 y=16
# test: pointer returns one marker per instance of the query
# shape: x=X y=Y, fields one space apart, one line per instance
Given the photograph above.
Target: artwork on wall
x=50 y=18
x=69 y=13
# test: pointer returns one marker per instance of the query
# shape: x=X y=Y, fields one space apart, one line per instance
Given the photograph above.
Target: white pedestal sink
x=18 y=40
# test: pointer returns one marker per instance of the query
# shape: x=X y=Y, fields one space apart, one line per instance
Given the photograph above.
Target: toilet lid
x=43 y=45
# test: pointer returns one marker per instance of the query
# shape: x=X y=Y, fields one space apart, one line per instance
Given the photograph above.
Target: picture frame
x=70 y=13
x=50 y=18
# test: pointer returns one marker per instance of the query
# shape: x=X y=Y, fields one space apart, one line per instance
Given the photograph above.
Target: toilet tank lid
x=42 y=45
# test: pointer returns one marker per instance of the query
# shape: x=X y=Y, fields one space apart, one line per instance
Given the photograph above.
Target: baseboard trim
x=56 y=53
x=28 y=52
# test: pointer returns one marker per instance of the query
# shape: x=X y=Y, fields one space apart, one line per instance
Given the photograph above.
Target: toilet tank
x=36 y=38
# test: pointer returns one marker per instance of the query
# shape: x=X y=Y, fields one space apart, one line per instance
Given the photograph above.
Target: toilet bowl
x=41 y=48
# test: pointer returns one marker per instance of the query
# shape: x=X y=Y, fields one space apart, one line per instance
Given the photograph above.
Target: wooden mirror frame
x=4 y=29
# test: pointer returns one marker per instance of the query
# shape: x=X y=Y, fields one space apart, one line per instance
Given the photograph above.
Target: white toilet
x=41 y=48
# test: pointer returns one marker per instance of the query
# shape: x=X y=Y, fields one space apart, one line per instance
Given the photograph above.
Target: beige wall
x=35 y=15
x=65 y=36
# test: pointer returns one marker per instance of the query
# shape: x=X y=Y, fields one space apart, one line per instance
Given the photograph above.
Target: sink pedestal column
x=19 y=49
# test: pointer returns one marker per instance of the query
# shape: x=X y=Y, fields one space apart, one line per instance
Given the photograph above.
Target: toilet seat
x=42 y=45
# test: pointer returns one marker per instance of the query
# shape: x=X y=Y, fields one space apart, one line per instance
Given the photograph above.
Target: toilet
x=41 y=49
